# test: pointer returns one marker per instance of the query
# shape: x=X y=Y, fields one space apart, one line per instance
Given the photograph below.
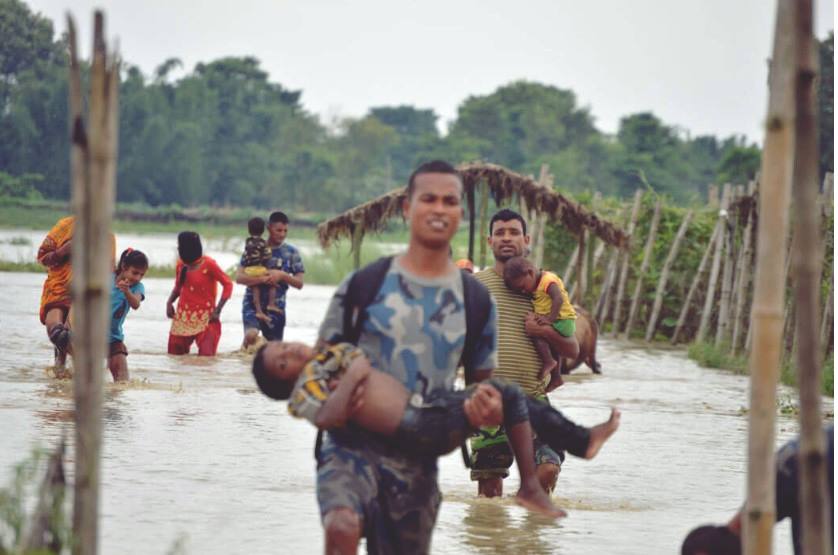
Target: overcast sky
x=697 y=64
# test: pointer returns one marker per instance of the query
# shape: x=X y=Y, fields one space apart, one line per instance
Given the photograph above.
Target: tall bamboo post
x=743 y=279
x=707 y=312
x=769 y=287
x=624 y=267
x=727 y=275
x=644 y=266
x=807 y=269
x=705 y=258
x=546 y=181
x=484 y=214
x=667 y=266
x=93 y=160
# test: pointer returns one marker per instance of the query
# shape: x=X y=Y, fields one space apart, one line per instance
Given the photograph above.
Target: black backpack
x=363 y=289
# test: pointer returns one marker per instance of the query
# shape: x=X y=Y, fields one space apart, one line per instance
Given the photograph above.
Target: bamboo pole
x=807 y=270
x=581 y=265
x=603 y=303
x=357 y=240
x=713 y=196
x=546 y=181
x=484 y=214
x=602 y=306
x=94 y=176
x=571 y=264
x=626 y=260
x=769 y=288
x=667 y=265
x=743 y=278
x=727 y=276
x=644 y=266
x=707 y=312
x=825 y=321
x=736 y=253
x=471 y=217
x=685 y=309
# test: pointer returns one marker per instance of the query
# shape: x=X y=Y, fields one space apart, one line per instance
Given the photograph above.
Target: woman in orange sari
x=54 y=254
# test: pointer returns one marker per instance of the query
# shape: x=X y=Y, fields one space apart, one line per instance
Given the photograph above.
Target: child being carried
x=336 y=385
x=257 y=256
x=551 y=305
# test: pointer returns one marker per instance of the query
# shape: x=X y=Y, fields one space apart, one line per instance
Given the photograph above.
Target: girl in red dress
x=197 y=316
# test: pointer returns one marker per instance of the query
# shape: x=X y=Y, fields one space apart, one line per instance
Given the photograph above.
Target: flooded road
x=193 y=452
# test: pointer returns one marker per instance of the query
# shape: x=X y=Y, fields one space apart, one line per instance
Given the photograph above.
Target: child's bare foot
x=534 y=498
x=275 y=309
x=556 y=380
x=601 y=432
x=264 y=317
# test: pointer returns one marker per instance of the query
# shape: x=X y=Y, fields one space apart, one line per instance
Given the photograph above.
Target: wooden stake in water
x=727 y=276
x=667 y=266
x=707 y=312
x=624 y=269
x=743 y=279
x=702 y=266
x=807 y=271
x=93 y=159
x=769 y=287
x=644 y=266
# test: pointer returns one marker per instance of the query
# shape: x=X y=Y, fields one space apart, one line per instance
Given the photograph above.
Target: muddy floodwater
x=193 y=454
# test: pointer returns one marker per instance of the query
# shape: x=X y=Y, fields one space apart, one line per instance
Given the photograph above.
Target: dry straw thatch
x=503 y=185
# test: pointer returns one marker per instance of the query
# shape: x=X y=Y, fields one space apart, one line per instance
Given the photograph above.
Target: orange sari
x=56 y=293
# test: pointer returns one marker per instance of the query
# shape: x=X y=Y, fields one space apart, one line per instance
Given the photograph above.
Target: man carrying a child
x=518 y=360
x=284 y=269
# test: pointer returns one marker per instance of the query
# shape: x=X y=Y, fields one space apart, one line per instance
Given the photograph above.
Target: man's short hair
x=516 y=267
x=277 y=218
x=256 y=226
x=274 y=387
x=506 y=215
x=434 y=166
x=712 y=540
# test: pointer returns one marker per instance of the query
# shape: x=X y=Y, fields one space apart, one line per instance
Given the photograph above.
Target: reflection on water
x=192 y=452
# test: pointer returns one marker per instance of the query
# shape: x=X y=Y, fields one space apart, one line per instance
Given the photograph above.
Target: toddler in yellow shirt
x=551 y=305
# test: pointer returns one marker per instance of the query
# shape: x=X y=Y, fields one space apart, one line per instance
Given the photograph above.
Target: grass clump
x=710 y=356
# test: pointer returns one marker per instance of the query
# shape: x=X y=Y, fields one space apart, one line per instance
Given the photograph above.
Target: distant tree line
x=224 y=134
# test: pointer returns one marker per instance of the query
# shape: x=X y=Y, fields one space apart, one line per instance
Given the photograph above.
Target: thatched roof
x=503 y=185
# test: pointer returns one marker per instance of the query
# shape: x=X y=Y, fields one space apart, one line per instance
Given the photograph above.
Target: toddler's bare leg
x=257 y=303
x=548 y=363
x=272 y=301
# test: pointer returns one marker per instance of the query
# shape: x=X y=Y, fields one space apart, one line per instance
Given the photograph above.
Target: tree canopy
x=224 y=133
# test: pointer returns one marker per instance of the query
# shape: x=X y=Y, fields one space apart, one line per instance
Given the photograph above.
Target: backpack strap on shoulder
x=478 y=307
x=360 y=293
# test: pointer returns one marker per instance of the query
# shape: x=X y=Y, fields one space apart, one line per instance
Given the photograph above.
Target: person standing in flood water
x=197 y=318
x=414 y=330
x=518 y=361
x=55 y=255
x=285 y=269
